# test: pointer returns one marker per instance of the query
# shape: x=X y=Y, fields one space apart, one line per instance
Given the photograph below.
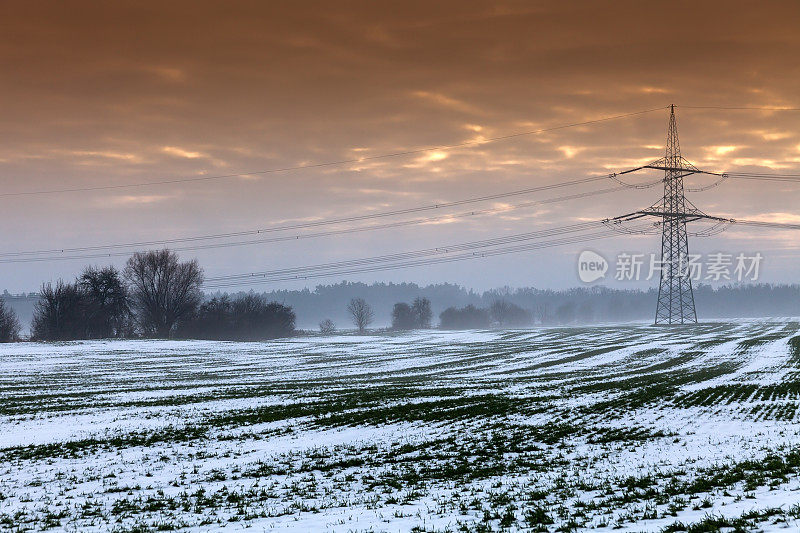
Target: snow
x=257 y=404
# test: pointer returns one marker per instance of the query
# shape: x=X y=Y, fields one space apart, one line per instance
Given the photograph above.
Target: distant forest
x=585 y=305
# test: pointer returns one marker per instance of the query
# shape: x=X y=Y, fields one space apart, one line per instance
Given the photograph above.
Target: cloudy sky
x=99 y=94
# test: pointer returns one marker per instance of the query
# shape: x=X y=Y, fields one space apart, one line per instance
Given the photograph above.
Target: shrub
x=508 y=315
x=403 y=317
x=253 y=318
x=416 y=315
x=246 y=318
x=469 y=317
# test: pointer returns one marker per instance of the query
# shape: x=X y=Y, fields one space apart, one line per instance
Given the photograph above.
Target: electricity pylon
x=675 y=297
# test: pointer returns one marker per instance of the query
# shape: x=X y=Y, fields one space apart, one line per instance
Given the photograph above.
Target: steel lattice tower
x=672 y=213
x=675 y=296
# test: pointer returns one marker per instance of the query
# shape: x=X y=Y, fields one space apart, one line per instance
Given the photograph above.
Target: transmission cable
x=471 y=245
x=792 y=178
x=739 y=108
x=421 y=262
x=25 y=256
x=765 y=224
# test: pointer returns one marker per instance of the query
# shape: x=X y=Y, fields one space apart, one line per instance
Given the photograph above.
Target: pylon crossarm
x=680 y=176
x=681 y=169
x=626 y=218
x=629 y=171
x=673 y=215
x=657 y=166
x=677 y=169
x=619 y=227
x=685 y=171
x=687 y=216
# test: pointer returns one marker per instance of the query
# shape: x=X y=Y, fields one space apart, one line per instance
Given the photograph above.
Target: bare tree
x=423 y=315
x=9 y=323
x=508 y=315
x=60 y=313
x=163 y=290
x=361 y=313
x=327 y=326
x=403 y=316
x=106 y=307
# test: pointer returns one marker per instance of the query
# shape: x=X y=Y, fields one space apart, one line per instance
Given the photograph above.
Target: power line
x=676 y=303
x=739 y=108
x=330 y=163
x=440 y=255
x=648 y=185
x=346 y=231
x=791 y=178
x=765 y=224
x=712 y=185
x=411 y=263
x=470 y=245
x=422 y=262
x=767 y=174
x=326 y=222
x=757 y=176
x=59 y=254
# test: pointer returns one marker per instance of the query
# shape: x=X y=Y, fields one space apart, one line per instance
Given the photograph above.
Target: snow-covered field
x=634 y=428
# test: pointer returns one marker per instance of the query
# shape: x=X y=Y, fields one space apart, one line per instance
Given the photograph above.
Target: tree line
x=557 y=307
x=158 y=296
x=155 y=296
x=419 y=315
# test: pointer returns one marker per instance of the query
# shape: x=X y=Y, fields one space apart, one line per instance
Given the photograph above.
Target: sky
x=99 y=94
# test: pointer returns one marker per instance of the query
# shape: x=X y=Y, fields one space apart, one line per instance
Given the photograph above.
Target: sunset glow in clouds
x=102 y=93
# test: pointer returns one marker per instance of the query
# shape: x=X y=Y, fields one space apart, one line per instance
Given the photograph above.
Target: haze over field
x=115 y=93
